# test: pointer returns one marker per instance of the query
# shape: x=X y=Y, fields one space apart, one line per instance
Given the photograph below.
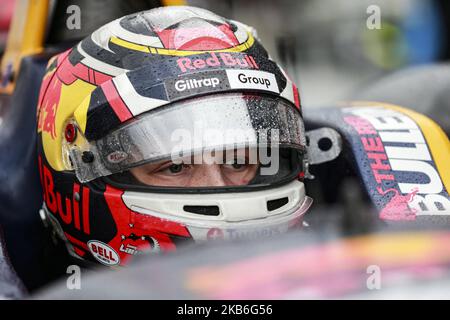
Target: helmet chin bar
x=263 y=212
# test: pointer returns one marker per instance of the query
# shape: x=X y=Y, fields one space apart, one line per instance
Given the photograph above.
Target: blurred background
x=326 y=45
x=6 y=11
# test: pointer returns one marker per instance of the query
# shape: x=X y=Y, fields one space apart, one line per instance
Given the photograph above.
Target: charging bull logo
x=63 y=83
x=408 y=184
x=398 y=207
x=48 y=105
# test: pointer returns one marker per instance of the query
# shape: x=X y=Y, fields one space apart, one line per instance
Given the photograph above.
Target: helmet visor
x=231 y=130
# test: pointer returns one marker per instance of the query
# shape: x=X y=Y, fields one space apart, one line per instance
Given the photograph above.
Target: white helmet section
x=240 y=213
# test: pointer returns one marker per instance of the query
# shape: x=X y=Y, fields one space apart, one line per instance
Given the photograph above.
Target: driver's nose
x=207 y=175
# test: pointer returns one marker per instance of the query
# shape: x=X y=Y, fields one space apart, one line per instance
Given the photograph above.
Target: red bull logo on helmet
x=222 y=59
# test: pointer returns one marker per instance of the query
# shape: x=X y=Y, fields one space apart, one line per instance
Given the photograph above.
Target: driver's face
x=236 y=172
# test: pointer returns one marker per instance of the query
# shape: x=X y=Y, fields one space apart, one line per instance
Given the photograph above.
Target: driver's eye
x=237 y=165
x=175 y=168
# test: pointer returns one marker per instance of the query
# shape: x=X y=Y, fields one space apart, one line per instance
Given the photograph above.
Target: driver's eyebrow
x=240 y=154
x=222 y=155
x=152 y=167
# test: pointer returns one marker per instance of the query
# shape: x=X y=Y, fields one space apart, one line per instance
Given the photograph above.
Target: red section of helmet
x=75 y=242
x=79 y=252
x=69 y=73
x=116 y=102
x=209 y=37
x=135 y=232
x=131 y=224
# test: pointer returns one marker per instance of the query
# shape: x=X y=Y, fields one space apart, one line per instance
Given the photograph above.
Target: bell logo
x=103 y=253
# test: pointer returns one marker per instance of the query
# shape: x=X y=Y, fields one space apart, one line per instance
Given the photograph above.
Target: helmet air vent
x=277 y=203
x=204 y=210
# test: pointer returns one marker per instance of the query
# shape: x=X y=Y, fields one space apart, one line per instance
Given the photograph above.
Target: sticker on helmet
x=234 y=234
x=219 y=81
x=182 y=85
x=103 y=253
x=134 y=245
x=252 y=79
x=117 y=156
x=197 y=83
x=217 y=60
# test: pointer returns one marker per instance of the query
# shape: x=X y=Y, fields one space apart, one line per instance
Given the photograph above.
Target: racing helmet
x=167 y=126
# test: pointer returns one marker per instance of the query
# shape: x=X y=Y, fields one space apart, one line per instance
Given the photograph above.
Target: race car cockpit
x=371 y=164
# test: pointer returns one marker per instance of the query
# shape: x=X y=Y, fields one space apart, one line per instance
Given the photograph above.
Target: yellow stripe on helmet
x=171 y=52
